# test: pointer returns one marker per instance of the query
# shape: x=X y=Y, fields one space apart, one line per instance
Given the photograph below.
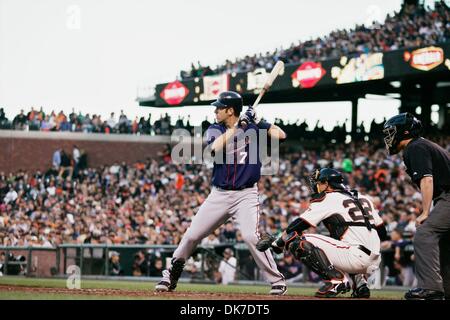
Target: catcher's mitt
x=265 y=242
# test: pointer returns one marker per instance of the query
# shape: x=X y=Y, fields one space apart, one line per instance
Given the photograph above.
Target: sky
x=93 y=55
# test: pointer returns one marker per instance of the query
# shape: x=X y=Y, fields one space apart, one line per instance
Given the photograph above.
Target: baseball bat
x=277 y=69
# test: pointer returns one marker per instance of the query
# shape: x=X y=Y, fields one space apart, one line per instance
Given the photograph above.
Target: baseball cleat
x=162 y=286
x=165 y=284
x=170 y=277
x=331 y=290
x=362 y=292
x=424 y=294
x=278 y=290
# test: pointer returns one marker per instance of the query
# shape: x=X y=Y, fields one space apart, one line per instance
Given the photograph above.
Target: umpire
x=428 y=165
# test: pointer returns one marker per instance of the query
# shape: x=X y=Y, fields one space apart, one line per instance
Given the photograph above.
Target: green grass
x=148 y=286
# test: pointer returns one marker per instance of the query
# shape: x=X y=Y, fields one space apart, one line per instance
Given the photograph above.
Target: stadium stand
x=411 y=26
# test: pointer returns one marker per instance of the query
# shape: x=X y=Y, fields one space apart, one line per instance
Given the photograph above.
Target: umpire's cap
x=400 y=127
x=229 y=99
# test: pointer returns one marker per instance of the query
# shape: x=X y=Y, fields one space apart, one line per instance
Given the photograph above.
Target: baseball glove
x=265 y=242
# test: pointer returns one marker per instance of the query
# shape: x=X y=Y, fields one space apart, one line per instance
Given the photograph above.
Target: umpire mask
x=398 y=128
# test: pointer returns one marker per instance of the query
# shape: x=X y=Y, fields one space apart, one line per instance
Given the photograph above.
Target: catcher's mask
x=333 y=177
x=400 y=127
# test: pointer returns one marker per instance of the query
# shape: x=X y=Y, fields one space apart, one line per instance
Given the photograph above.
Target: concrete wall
x=33 y=151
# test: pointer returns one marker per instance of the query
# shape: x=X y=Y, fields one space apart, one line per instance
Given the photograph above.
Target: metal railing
x=94 y=259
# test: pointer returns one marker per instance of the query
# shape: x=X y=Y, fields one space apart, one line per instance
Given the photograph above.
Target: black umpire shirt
x=424 y=158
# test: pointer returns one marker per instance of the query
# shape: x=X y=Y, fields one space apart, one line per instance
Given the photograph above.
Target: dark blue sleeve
x=264 y=125
x=214 y=131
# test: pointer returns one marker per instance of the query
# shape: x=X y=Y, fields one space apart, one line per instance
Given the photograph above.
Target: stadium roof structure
x=417 y=76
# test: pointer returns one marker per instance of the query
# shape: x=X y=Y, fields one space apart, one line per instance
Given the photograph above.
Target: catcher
x=353 y=249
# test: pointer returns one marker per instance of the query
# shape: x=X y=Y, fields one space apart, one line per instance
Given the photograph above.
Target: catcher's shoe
x=359 y=287
x=362 y=292
x=331 y=289
x=278 y=290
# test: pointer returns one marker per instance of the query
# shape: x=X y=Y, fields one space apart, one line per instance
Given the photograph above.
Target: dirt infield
x=151 y=294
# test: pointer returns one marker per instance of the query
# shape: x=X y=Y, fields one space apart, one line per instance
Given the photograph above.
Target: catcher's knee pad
x=316 y=259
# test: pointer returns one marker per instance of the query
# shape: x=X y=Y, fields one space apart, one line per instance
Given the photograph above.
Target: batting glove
x=248 y=117
x=251 y=113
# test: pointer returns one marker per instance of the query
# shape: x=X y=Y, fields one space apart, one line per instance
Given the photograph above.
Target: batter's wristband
x=264 y=125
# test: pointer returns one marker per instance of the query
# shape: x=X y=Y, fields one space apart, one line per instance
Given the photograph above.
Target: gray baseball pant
x=220 y=206
x=432 y=248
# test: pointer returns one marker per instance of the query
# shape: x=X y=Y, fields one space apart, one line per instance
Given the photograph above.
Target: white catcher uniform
x=352 y=248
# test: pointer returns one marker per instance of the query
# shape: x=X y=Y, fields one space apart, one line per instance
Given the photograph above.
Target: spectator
x=86 y=124
x=2 y=115
x=11 y=196
x=140 y=265
x=17 y=267
x=123 y=123
x=66 y=164
x=227 y=267
x=111 y=122
x=156 y=268
x=56 y=159
x=2 y=263
x=115 y=268
x=20 y=121
x=210 y=240
x=76 y=156
x=403 y=257
x=73 y=120
x=4 y=122
x=228 y=234
x=290 y=268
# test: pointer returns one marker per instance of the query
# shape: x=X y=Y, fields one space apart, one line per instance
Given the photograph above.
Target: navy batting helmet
x=229 y=99
x=400 y=127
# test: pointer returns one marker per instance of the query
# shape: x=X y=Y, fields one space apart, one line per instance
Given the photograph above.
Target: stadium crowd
x=35 y=120
x=153 y=201
x=77 y=122
x=412 y=26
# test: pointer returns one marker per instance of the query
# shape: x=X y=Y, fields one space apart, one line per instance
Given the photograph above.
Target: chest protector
x=336 y=224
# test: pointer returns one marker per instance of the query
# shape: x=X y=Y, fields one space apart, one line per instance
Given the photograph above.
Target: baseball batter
x=234 y=193
x=353 y=248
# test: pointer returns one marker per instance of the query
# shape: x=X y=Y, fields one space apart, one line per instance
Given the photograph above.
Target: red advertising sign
x=308 y=74
x=425 y=59
x=174 y=93
x=213 y=85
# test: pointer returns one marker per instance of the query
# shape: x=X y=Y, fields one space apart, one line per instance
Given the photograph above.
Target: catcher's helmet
x=398 y=128
x=229 y=99
x=333 y=177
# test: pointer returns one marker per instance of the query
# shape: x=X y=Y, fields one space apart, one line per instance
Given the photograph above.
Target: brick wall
x=34 y=150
